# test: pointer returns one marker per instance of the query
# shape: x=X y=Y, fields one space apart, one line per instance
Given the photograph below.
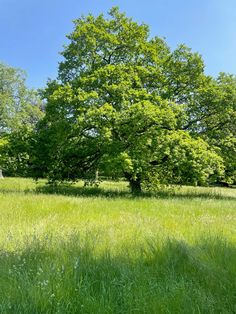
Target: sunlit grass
x=82 y=250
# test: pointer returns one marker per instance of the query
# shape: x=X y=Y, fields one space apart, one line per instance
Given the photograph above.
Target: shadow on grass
x=106 y=192
x=68 y=277
x=71 y=190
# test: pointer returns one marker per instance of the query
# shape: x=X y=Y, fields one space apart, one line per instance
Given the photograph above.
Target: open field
x=85 y=250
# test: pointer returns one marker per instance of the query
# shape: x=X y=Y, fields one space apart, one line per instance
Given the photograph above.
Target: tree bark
x=135 y=184
x=1 y=175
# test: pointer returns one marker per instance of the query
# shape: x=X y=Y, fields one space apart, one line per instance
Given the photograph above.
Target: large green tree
x=119 y=105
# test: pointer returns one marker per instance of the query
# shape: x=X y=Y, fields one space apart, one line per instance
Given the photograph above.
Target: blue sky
x=32 y=32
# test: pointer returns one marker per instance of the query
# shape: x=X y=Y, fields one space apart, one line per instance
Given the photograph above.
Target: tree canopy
x=20 y=111
x=125 y=104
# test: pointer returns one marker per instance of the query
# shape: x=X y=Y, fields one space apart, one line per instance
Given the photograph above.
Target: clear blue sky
x=32 y=32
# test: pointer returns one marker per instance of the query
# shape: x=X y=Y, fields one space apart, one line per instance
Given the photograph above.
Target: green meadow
x=72 y=249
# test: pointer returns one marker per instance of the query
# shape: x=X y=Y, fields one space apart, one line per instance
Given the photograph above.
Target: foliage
x=123 y=104
x=16 y=153
x=120 y=104
x=214 y=118
x=20 y=110
x=18 y=104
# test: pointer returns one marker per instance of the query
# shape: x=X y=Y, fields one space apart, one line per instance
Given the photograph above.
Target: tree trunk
x=135 y=186
x=1 y=175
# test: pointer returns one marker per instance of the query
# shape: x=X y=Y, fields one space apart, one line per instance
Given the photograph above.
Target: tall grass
x=82 y=250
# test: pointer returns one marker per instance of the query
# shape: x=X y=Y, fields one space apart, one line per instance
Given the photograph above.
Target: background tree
x=20 y=110
x=211 y=114
x=120 y=104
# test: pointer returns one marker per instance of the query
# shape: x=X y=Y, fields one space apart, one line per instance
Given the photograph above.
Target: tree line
x=123 y=104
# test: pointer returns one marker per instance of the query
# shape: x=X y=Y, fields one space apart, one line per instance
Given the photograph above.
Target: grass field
x=86 y=250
